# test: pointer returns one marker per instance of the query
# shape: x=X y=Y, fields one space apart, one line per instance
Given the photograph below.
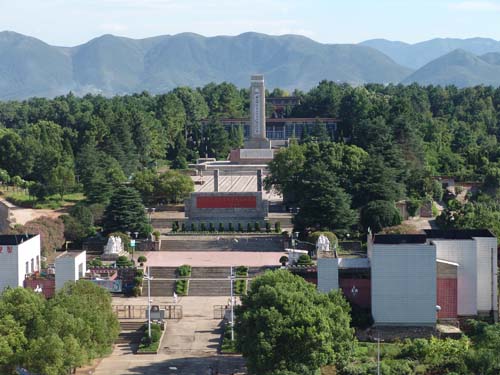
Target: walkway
x=189 y=345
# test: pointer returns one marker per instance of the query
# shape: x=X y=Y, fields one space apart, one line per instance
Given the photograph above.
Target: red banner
x=237 y=201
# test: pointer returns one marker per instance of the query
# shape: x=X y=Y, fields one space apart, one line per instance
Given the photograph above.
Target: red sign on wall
x=237 y=201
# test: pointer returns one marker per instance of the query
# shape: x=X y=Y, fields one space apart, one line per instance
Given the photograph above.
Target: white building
x=417 y=279
x=403 y=272
x=70 y=266
x=19 y=256
x=475 y=252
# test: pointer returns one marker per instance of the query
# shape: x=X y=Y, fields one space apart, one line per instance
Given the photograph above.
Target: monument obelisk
x=257 y=139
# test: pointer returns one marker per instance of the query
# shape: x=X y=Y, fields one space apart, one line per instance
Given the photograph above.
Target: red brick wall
x=48 y=286
x=362 y=297
x=239 y=201
x=447 y=298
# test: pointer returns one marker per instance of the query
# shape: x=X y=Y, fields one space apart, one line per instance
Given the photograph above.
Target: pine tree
x=125 y=212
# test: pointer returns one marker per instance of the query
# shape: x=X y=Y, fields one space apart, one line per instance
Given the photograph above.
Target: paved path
x=189 y=346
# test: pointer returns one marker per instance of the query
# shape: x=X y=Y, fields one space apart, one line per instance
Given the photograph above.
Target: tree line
x=390 y=143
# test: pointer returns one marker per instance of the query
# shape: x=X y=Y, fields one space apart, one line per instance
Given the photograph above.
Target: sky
x=73 y=22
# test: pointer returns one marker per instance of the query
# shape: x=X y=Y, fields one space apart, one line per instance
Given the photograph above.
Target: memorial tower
x=257 y=139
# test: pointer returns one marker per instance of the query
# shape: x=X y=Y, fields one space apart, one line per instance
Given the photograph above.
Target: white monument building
x=19 y=256
x=258 y=138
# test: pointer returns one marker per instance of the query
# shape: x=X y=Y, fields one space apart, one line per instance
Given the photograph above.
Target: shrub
x=175 y=226
x=184 y=270
x=142 y=259
x=193 y=227
x=183 y=227
x=136 y=291
x=181 y=287
x=221 y=227
x=211 y=227
x=268 y=227
x=123 y=261
x=139 y=273
x=231 y=227
x=157 y=235
x=435 y=211
x=412 y=206
x=304 y=260
x=277 y=227
x=203 y=227
x=249 y=227
x=138 y=281
x=242 y=271
x=257 y=226
x=240 y=227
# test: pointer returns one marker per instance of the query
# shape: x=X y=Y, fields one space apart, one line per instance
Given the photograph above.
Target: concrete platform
x=213 y=258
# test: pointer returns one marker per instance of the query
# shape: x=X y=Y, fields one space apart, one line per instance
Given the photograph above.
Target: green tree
x=285 y=324
x=377 y=215
x=62 y=179
x=173 y=186
x=125 y=212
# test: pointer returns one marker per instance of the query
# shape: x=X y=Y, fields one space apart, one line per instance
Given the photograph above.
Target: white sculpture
x=114 y=246
x=323 y=243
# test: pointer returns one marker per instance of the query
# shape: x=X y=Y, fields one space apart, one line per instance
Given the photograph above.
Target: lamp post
x=149 y=278
x=231 y=277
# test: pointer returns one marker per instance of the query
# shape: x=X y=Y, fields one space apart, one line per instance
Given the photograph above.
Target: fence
x=139 y=311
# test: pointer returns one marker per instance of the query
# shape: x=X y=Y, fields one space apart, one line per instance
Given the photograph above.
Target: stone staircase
x=163 y=272
x=210 y=272
x=159 y=288
x=222 y=243
x=209 y=287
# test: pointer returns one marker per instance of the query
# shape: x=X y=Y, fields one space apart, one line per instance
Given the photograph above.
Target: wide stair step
x=159 y=288
x=131 y=325
x=163 y=272
x=209 y=288
x=210 y=272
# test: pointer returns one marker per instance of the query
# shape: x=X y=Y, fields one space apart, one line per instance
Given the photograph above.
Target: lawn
x=23 y=199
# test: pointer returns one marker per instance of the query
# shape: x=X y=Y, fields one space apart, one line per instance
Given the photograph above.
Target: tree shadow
x=220 y=364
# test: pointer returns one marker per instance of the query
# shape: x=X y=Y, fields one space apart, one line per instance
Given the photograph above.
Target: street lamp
x=231 y=277
x=149 y=278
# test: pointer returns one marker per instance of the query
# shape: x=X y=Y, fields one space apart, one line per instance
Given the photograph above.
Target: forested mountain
x=459 y=68
x=417 y=55
x=115 y=65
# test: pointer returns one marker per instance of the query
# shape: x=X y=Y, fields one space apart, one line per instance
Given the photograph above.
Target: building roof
x=14 y=239
x=395 y=239
x=458 y=234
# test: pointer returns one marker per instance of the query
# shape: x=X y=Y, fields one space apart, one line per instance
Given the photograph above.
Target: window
x=32 y=265
x=27 y=268
x=37 y=265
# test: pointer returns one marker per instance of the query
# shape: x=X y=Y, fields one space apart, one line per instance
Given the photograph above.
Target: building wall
x=8 y=267
x=447 y=297
x=404 y=284
x=13 y=262
x=328 y=274
x=462 y=252
x=361 y=289
x=487 y=292
x=68 y=268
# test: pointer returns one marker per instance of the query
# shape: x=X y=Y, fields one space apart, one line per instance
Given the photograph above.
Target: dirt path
x=22 y=215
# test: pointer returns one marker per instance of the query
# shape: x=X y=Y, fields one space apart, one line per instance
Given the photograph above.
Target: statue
x=323 y=244
x=114 y=246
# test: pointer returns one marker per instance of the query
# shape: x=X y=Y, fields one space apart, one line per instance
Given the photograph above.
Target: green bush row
x=210 y=227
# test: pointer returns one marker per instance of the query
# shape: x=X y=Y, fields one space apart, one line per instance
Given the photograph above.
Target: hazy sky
x=72 y=22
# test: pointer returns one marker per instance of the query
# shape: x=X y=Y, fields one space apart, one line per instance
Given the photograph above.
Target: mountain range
x=117 y=65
